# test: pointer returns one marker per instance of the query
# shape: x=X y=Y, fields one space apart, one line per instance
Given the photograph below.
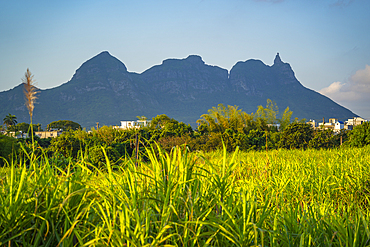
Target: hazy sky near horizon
x=327 y=42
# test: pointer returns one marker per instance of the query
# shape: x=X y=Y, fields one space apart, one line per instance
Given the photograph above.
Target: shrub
x=296 y=135
x=67 y=144
x=97 y=157
x=8 y=145
x=360 y=135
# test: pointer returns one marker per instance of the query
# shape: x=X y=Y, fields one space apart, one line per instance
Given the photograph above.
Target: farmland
x=181 y=198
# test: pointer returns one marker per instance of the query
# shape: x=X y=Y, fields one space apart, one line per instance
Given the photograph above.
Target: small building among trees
x=50 y=133
x=133 y=124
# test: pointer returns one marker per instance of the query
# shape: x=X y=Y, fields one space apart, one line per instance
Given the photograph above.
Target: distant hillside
x=102 y=90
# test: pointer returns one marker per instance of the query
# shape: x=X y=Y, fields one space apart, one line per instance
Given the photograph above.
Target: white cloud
x=355 y=93
x=339 y=92
x=355 y=89
x=332 y=89
x=361 y=80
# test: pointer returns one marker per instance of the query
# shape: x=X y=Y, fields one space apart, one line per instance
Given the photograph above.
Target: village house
x=17 y=135
x=336 y=125
x=355 y=121
x=328 y=125
x=339 y=125
x=50 y=133
x=312 y=123
x=133 y=124
x=276 y=125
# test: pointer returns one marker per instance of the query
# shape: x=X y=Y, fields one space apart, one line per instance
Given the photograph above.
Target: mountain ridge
x=103 y=90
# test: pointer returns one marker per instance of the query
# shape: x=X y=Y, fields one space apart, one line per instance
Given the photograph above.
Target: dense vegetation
x=265 y=129
x=274 y=198
x=63 y=125
x=237 y=180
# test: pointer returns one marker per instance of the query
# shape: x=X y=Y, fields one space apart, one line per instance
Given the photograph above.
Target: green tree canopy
x=296 y=135
x=285 y=118
x=360 y=135
x=68 y=144
x=64 y=125
x=269 y=113
x=24 y=127
x=97 y=157
x=163 y=126
x=160 y=121
x=221 y=118
x=8 y=146
x=325 y=138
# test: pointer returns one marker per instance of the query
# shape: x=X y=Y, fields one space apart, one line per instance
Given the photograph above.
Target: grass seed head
x=30 y=91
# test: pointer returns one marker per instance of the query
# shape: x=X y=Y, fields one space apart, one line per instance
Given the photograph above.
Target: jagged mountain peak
x=103 y=64
x=258 y=63
x=284 y=71
x=102 y=90
x=103 y=61
x=277 y=60
x=280 y=65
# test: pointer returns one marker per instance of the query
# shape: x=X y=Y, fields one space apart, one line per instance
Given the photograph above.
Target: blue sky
x=327 y=42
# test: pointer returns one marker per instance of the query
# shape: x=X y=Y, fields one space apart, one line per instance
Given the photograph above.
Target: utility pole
x=97 y=125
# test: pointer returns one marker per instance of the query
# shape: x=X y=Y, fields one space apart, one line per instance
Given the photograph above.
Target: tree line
x=227 y=126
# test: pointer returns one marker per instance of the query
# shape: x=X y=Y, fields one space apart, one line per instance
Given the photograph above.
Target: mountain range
x=102 y=90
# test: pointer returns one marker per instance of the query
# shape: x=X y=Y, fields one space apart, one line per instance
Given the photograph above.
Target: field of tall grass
x=274 y=198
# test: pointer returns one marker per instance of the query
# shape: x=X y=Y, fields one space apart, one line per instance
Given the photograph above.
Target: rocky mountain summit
x=102 y=90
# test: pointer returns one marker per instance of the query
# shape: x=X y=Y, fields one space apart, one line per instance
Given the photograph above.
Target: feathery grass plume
x=30 y=92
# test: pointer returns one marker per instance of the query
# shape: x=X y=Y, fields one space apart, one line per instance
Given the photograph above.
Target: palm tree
x=10 y=120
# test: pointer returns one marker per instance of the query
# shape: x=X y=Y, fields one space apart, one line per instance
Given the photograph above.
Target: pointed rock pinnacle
x=277 y=59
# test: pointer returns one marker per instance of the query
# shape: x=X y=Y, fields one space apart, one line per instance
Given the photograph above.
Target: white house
x=50 y=133
x=333 y=124
x=336 y=125
x=339 y=125
x=356 y=121
x=18 y=134
x=312 y=123
x=329 y=125
x=133 y=124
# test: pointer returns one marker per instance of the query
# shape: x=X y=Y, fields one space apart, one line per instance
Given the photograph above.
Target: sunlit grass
x=278 y=198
